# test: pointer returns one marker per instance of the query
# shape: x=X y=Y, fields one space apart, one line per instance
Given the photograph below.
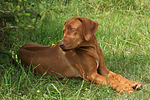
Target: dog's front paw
x=125 y=88
x=135 y=85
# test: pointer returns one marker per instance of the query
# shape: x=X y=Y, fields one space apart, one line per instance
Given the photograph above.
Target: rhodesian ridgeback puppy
x=76 y=55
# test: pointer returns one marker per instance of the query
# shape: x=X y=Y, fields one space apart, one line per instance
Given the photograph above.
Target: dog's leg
x=111 y=82
x=102 y=69
x=105 y=72
x=122 y=80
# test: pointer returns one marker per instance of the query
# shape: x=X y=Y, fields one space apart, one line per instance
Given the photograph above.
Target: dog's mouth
x=65 y=49
x=62 y=46
x=68 y=49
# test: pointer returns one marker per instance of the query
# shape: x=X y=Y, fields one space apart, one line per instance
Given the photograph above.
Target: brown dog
x=76 y=55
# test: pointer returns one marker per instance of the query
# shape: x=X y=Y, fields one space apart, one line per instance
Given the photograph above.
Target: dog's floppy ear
x=89 y=28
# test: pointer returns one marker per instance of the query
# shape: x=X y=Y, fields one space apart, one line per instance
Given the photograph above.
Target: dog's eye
x=72 y=29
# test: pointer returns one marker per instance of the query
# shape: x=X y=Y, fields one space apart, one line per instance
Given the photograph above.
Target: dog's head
x=76 y=30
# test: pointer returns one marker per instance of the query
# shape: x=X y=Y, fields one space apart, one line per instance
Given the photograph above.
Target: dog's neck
x=91 y=43
x=90 y=46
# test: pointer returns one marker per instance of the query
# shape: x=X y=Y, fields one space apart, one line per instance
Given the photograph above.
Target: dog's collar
x=97 y=64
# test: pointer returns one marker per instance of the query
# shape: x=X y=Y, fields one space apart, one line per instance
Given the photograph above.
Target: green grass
x=123 y=35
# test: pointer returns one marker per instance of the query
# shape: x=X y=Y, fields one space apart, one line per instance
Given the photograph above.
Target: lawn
x=123 y=34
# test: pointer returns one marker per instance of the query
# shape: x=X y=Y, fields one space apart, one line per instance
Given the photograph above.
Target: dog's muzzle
x=62 y=45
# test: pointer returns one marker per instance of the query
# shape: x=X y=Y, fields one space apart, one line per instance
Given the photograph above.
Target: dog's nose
x=62 y=44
